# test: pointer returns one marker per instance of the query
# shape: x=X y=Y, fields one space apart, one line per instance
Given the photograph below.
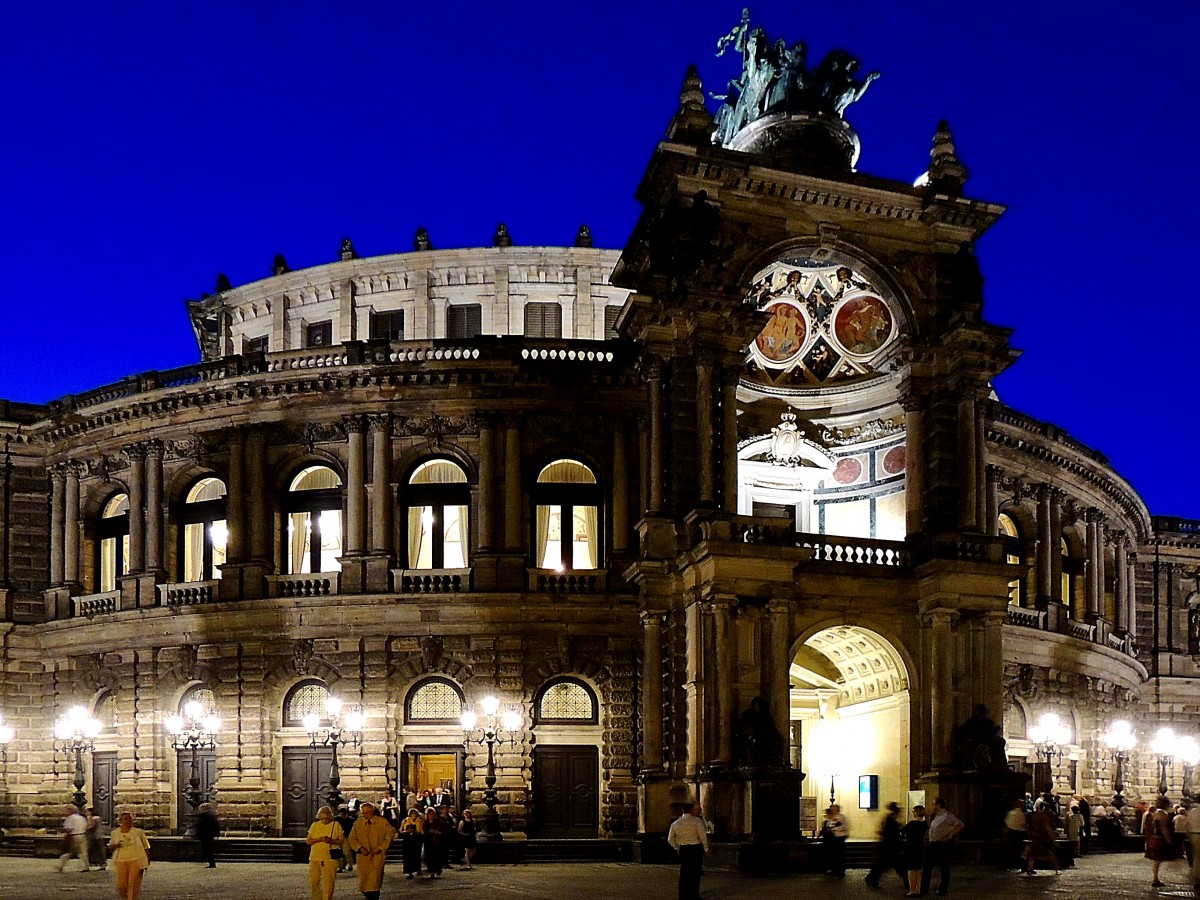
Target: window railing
x=97 y=604
x=188 y=593
x=431 y=581
x=320 y=584
x=857 y=551
x=551 y=581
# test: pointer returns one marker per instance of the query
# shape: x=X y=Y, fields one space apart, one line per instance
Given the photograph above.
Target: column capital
x=994 y=473
x=355 y=424
x=941 y=617
x=135 y=452
x=58 y=471
x=652 y=368
x=380 y=423
x=779 y=606
x=75 y=468
x=652 y=617
x=1093 y=516
x=154 y=447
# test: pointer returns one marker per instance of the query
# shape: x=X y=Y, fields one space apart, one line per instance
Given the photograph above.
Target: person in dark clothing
x=345 y=818
x=913 y=835
x=412 y=839
x=435 y=842
x=889 y=852
x=207 y=829
x=1085 y=810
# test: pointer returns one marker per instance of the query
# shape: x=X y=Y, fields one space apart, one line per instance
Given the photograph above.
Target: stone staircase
x=568 y=851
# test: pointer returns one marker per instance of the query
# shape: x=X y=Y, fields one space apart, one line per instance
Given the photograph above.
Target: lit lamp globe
x=469 y=720
x=355 y=720
x=311 y=722
x=1165 y=743
x=334 y=706
x=511 y=720
x=490 y=704
x=174 y=725
x=1189 y=751
x=6 y=734
x=212 y=724
x=1120 y=737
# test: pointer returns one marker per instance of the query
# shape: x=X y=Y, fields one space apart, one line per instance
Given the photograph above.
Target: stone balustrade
x=188 y=593
x=319 y=584
x=550 y=581
x=89 y=605
x=431 y=581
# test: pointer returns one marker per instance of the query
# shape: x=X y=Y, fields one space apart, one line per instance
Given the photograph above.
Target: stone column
x=1130 y=590
x=777 y=682
x=1095 y=564
x=654 y=385
x=705 y=436
x=729 y=436
x=154 y=508
x=137 y=508
x=966 y=465
x=512 y=487
x=259 y=510
x=991 y=515
x=991 y=668
x=1056 y=568
x=980 y=435
x=652 y=691
x=914 y=471
x=71 y=525
x=235 y=498
x=58 y=475
x=381 y=484
x=1044 y=541
x=620 y=488
x=724 y=661
x=356 y=519
x=939 y=623
x=487 y=482
x=1120 y=613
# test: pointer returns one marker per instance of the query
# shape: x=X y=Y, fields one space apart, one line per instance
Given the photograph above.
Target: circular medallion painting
x=848 y=471
x=862 y=325
x=783 y=337
x=894 y=460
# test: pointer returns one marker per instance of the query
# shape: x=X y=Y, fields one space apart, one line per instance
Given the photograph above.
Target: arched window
x=434 y=701
x=202 y=694
x=566 y=701
x=203 y=531
x=112 y=542
x=1008 y=528
x=314 y=521
x=567 y=517
x=310 y=696
x=438 y=502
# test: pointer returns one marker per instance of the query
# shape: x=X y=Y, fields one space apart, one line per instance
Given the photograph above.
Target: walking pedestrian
x=346 y=819
x=1085 y=810
x=411 y=839
x=1160 y=837
x=889 y=852
x=1043 y=840
x=74 y=839
x=689 y=838
x=1179 y=826
x=466 y=831
x=324 y=835
x=913 y=833
x=208 y=827
x=944 y=827
x=369 y=839
x=1075 y=833
x=1193 y=830
x=131 y=857
x=435 y=842
x=389 y=807
x=834 y=833
x=94 y=838
x=1016 y=832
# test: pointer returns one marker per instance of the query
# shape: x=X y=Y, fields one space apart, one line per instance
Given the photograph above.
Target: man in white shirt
x=689 y=838
x=74 y=831
x=944 y=827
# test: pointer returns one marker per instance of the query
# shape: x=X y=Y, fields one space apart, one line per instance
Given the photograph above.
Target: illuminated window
x=112 y=534
x=1008 y=528
x=199 y=694
x=203 y=531
x=314 y=521
x=438 y=502
x=567 y=700
x=306 y=697
x=567 y=517
x=434 y=700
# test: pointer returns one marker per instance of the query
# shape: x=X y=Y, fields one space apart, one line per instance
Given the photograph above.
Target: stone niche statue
x=775 y=79
x=979 y=745
x=758 y=743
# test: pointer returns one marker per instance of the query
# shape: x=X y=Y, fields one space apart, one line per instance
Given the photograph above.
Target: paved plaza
x=1109 y=877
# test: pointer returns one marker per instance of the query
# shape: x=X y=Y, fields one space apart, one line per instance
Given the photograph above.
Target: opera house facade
x=730 y=505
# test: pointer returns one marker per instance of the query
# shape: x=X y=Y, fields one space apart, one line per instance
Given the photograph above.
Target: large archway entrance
x=851 y=726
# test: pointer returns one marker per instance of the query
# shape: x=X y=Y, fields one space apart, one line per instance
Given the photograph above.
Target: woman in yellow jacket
x=323 y=835
x=129 y=847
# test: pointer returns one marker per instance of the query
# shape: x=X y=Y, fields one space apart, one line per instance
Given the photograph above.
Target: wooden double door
x=206 y=771
x=566 y=792
x=305 y=787
x=104 y=784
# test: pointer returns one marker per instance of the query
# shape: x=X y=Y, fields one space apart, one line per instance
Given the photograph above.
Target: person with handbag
x=1160 y=837
x=324 y=840
x=131 y=857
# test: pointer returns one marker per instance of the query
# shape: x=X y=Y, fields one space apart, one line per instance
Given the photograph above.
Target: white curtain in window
x=108 y=564
x=566 y=471
x=193 y=551
x=549 y=537
x=299 y=535
x=454 y=534
x=587 y=525
x=420 y=537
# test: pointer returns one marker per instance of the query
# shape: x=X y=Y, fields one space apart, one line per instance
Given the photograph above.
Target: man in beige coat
x=369 y=839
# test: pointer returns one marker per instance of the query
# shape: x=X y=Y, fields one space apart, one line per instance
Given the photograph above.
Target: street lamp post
x=1164 y=746
x=335 y=735
x=76 y=733
x=1189 y=754
x=1121 y=740
x=193 y=731
x=1050 y=735
x=494 y=728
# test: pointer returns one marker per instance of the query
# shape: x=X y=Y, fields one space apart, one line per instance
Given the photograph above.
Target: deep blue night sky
x=149 y=146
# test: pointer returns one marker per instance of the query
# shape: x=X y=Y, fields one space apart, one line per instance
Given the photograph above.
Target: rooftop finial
x=223 y=283
x=347 y=251
x=501 y=238
x=421 y=240
x=692 y=124
x=280 y=266
x=947 y=174
x=583 y=237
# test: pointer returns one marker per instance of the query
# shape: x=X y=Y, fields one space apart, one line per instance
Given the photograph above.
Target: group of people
x=83 y=838
x=433 y=836
x=912 y=850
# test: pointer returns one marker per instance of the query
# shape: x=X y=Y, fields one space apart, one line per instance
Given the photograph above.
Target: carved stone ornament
x=93 y=673
x=432 y=648
x=868 y=431
x=785 y=441
x=193 y=448
x=322 y=433
x=435 y=427
x=188 y=657
x=302 y=656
